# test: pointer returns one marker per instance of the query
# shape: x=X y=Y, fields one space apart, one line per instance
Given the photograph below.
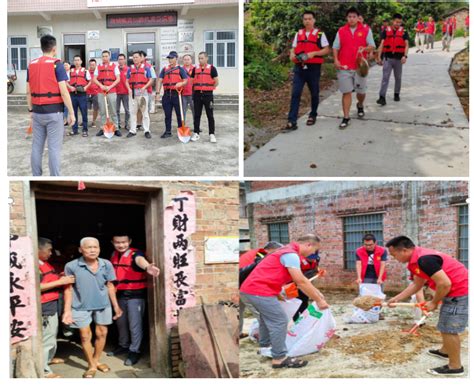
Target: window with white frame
x=221 y=46
x=17 y=53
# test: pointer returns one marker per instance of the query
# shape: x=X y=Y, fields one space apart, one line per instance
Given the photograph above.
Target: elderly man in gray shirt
x=91 y=298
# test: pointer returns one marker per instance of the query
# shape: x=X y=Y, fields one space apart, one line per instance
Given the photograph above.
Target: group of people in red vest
x=92 y=289
x=54 y=87
x=262 y=286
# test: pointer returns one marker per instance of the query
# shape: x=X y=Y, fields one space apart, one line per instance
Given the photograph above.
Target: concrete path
x=137 y=156
x=424 y=135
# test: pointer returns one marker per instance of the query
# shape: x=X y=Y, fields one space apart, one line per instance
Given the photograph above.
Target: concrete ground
x=379 y=350
x=75 y=364
x=424 y=135
x=137 y=156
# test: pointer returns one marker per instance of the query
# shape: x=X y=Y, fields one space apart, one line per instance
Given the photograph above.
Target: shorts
x=453 y=315
x=82 y=318
x=350 y=81
x=93 y=102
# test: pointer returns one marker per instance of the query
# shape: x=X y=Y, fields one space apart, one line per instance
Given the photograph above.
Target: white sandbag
x=360 y=316
x=310 y=332
x=254 y=334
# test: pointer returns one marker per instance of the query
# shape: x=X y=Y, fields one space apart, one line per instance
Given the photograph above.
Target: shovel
x=109 y=127
x=367 y=302
x=290 y=291
x=184 y=132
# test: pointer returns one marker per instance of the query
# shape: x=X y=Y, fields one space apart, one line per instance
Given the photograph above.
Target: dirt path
x=370 y=351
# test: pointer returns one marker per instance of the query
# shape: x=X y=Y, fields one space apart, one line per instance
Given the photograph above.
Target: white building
x=86 y=27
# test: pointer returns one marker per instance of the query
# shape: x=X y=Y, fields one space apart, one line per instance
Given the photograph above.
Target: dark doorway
x=66 y=222
x=73 y=50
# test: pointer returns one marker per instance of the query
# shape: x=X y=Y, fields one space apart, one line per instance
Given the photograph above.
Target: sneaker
x=438 y=354
x=166 y=135
x=147 y=135
x=195 y=137
x=417 y=51
x=139 y=127
x=360 y=111
x=93 y=124
x=130 y=135
x=381 y=101
x=213 y=139
x=118 y=133
x=133 y=357
x=446 y=371
x=345 y=122
x=290 y=126
x=119 y=350
x=100 y=133
x=396 y=97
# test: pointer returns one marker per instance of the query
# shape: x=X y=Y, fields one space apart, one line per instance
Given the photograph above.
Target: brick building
x=433 y=213
x=59 y=211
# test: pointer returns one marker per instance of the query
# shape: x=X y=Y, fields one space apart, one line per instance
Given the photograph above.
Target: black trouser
x=207 y=100
x=304 y=305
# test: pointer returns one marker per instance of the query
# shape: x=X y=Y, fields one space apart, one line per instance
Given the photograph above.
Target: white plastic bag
x=360 y=316
x=311 y=331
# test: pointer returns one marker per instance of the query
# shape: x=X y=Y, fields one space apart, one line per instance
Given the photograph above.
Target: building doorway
x=143 y=41
x=65 y=215
x=74 y=44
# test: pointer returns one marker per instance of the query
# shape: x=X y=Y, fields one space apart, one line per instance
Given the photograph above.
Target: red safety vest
x=350 y=44
x=203 y=80
x=308 y=44
x=394 y=42
x=364 y=259
x=454 y=269
x=150 y=88
x=188 y=89
x=171 y=77
x=93 y=89
x=44 y=86
x=127 y=277
x=430 y=28
x=269 y=276
x=466 y=21
x=137 y=77
x=47 y=275
x=248 y=257
x=121 y=87
x=420 y=27
x=78 y=77
x=107 y=75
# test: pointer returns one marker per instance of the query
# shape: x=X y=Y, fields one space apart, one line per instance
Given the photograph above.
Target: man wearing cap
x=449 y=278
x=173 y=78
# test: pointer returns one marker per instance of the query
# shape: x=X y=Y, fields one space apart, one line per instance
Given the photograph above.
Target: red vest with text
x=44 y=86
x=127 y=277
x=188 y=89
x=420 y=27
x=203 y=80
x=364 y=259
x=269 y=276
x=394 y=41
x=350 y=44
x=454 y=269
x=107 y=75
x=47 y=275
x=78 y=77
x=308 y=44
x=93 y=88
x=138 y=77
x=171 y=77
x=121 y=87
x=430 y=27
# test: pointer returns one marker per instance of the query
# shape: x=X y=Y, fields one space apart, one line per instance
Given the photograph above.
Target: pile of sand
x=367 y=302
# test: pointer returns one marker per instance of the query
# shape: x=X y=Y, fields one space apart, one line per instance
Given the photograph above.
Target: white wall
x=204 y=19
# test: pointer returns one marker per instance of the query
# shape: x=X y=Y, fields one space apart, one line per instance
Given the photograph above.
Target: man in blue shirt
x=91 y=298
x=46 y=95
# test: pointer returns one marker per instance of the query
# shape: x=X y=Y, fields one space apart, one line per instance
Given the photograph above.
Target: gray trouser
x=50 y=333
x=187 y=101
x=419 y=40
x=242 y=306
x=48 y=127
x=123 y=98
x=112 y=99
x=447 y=38
x=272 y=324
x=390 y=64
x=429 y=39
x=130 y=324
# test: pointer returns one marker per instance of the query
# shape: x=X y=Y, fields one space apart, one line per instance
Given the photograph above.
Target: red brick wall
x=437 y=219
x=262 y=185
